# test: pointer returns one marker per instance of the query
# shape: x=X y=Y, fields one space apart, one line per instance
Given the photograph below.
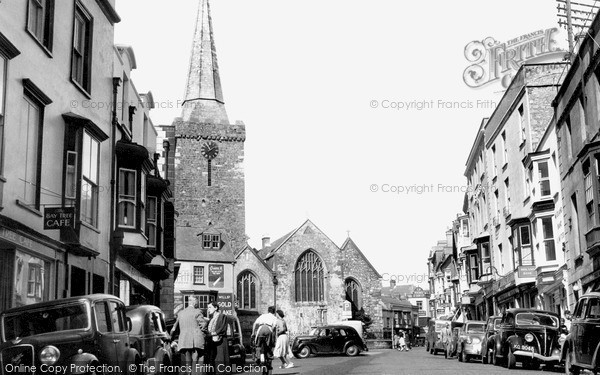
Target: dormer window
x=211 y=241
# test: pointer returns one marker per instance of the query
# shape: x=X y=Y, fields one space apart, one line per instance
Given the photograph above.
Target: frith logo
x=495 y=61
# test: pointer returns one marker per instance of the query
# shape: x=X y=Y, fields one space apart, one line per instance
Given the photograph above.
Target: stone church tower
x=209 y=178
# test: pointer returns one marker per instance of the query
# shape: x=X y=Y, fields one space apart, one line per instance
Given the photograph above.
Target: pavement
x=392 y=362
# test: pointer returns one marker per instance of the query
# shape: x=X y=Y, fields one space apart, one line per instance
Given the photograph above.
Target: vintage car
x=87 y=334
x=581 y=349
x=433 y=341
x=332 y=339
x=469 y=340
x=237 y=351
x=488 y=338
x=528 y=336
x=149 y=337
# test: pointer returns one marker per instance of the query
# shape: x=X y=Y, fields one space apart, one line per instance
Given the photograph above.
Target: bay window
x=89 y=179
x=548 y=237
x=127 y=198
x=544 y=179
x=521 y=241
x=151 y=220
x=485 y=258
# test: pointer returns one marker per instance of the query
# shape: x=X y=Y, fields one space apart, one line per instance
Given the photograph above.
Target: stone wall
x=248 y=260
x=301 y=316
x=357 y=268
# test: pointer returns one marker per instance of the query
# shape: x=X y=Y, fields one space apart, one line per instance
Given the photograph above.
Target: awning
x=135 y=275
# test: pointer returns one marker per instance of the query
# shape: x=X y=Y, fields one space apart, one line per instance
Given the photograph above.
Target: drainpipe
x=112 y=256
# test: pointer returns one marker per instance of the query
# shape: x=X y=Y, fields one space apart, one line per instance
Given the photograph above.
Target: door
x=324 y=341
x=338 y=339
x=579 y=327
x=591 y=337
x=113 y=339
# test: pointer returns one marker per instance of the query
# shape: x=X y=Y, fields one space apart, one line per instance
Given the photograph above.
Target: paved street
x=391 y=362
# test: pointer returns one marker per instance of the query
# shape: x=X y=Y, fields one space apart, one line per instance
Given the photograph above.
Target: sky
x=357 y=115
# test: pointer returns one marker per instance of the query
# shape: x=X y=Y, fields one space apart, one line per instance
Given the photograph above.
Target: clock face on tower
x=209 y=150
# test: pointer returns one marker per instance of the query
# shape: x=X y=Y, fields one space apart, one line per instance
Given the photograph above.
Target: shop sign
x=216 y=275
x=225 y=302
x=526 y=271
x=347 y=310
x=59 y=217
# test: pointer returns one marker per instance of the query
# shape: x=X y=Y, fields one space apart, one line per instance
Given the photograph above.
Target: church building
x=304 y=273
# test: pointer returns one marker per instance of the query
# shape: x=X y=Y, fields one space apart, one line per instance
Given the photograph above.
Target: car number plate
x=524 y=347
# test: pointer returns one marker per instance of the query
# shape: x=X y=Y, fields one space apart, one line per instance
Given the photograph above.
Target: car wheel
x=352 y=351
x=304 y=352
x=465 y=356
x=511 y=360
x=569 y=368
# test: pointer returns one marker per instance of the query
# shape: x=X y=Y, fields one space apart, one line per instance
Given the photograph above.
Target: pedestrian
x=568 y=318
x=216 y=342
x=263 y=337
x=282 y=344
x=396 y=341
x=402 y=345
x=191 y=338
x=445 y=337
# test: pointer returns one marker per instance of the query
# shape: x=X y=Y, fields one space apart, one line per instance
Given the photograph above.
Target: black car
x=87 y=334
x=582 y=345
x=334 y=339
x=487 y=344
x=150 y=338
x=528 y=336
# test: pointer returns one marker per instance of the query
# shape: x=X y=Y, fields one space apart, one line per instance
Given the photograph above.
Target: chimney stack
x=266 y=241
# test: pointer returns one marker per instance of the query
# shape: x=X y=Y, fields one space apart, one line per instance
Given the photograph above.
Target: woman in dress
x=217 y=356
x=282 y=344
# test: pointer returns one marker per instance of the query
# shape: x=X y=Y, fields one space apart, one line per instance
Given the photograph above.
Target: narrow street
x=388 y=362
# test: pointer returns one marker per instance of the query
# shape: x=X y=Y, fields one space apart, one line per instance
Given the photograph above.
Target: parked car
x=528 y=336
x=580 y=350
x=469 y=340
x=433 y=341
x=237 y=351
x=488 y=338
x=333 y=339
x=90 y=332
x=149 y=336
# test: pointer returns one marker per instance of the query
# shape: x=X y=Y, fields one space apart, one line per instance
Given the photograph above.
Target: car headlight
x=469 y=341
x=529 y=337
x=476 y=340
x=49 y=355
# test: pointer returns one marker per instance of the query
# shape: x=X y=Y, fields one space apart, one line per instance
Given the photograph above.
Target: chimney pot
x=266 y=241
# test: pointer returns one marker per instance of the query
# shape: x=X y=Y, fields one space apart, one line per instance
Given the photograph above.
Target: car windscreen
x=46 y=320
x=536 y=319
x=476 y=328
x=314 y=332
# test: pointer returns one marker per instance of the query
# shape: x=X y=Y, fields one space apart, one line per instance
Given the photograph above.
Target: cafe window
x=40 y=20
x=127 y=198
x=89 y=179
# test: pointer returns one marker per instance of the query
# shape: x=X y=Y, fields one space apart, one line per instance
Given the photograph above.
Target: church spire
x=203 y=95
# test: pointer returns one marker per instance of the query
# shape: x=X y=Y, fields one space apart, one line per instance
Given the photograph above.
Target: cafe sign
x=59 y=217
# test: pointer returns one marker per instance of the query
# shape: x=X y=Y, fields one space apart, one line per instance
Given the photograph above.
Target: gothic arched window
x=354 y=293
x=246 y=290
x=309 y=278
